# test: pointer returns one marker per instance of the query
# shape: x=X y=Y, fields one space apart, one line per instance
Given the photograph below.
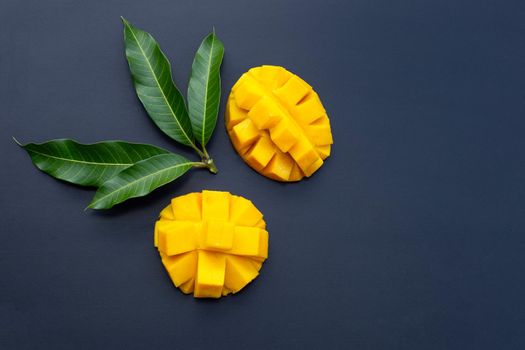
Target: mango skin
x=212 y=243
x=277 y=124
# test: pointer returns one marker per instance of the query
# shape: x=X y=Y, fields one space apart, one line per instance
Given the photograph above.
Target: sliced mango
x=324 y=151
x=215 y=205
x=218 y=235
x=239 y=272
x=244 y=134
x=285 y=134
x=272 y=77
x=176 y=237
x=304 y=155
x=250 y=241
x=266 y=113
x=167 y=213
x=217 y=255
x=211 y=268
x=188 y=287
x=182 y=267
x=234 y=114
x=280 y=167
x=261 y=153
x=187 y=208
x=243 y=212
x=248 y=93
x=309 y=110
x=293 y=91
x=318 y=134
x=277 y=123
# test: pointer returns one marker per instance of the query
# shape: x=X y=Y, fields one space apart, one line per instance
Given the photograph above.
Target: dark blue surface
x=411 y=236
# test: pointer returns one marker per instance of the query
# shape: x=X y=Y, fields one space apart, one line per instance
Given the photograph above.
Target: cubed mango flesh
x=181 y=267
x=239 y=272
x=277 y=124
x=219 y=253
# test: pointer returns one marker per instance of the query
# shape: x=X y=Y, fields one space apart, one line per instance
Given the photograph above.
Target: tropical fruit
x=277 y=124
x=211 y=243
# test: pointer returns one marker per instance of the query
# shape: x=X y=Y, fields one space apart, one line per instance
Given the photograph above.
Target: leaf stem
x=206 y=163
x=206 y=155
x=199 y=152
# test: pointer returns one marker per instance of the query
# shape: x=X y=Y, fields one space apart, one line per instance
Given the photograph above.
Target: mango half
x=277 y=124
x=211 y=243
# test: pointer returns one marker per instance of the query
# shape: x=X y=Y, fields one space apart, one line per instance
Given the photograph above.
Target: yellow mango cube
x=209 y=279
x=244 y=134
x=312 y=168
x=234 y=114
x=280 y=167
x=215 y=205
x=296 y=174
x=272 y=77
x=293 y=91
x=309 y=110
x=218 y=235
x=265 y=113
x=239 y=272
x=285 y=135
x=261 y=153
x=243 y=212
x=250 y=241
x=187 y=208
x=182 y=267
x=304 y=154
x=319 y=134
x=176 y=237
x=248 y=92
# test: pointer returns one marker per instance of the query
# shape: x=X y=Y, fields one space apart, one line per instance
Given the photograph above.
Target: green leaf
x=151 y=73
x=87 y=164
x=204 y=90
x=140 y=179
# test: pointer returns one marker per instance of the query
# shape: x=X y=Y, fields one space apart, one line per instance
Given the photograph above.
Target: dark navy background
x=411 y=236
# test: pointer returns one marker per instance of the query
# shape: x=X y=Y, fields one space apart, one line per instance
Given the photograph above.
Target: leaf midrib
x=159 y=86
x=79 y=161
x=206 y=92
x=138 y=180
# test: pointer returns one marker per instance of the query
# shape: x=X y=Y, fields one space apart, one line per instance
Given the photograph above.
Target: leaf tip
x=91 y=205
x=95 y=204
x=124 y=21
x=17 y=142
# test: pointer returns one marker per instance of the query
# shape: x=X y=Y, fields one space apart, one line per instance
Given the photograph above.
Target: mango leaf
x=204 y=90
x=87 y=164
x=151 y=73
x=140 y=179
